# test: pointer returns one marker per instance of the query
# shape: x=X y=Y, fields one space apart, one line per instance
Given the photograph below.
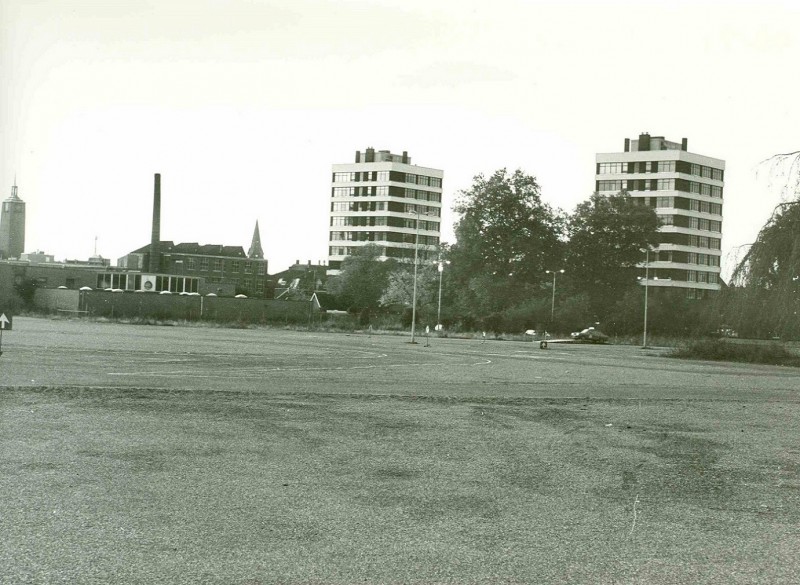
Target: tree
x=764 y=299
x=606 y=237
x=400 y=287
x=26 y=289
x=769 y=275
x=506 y=237
x=362 y=279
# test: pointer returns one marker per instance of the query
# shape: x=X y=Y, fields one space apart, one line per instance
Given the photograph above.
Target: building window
x=696 y=169
x=217 y=264
x=344 y=191
x=383 y=176
x=204 y=264
x=666 y=166
x=663 y=256
x=234 y=267
x=665 y=219
x=716 y=174
x=248 y=267
x=665 y=202
x=665 y=184
x=615 y=186
x=262 y=268
x=611 y=168
x=343 y=177
x=716 y=192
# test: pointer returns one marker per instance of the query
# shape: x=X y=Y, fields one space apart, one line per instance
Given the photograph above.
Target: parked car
x=590 y=335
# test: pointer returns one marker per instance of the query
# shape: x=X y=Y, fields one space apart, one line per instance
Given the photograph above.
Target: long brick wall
x=178 y=307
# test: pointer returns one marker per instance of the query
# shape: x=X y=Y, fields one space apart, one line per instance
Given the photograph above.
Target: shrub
x=754 y=353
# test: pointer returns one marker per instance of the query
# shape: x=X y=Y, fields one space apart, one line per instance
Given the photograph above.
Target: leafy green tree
x=362 y=279
x=506 y=238
x=606 y=237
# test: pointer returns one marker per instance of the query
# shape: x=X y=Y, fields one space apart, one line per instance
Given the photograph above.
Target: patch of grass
x=728 y=351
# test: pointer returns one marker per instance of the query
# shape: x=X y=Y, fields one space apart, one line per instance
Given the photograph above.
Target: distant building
x=181 y=265
x=95 y=261
x=383 y=199
x=37 y=257
x=46 y=275
x=191 y=267
x=686 y=191
x=12 y=226
x=300 y=280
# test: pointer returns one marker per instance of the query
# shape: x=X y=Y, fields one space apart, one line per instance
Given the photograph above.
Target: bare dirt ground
x=135 y=454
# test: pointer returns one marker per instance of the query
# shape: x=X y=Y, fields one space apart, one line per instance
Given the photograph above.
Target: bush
x=728 y=351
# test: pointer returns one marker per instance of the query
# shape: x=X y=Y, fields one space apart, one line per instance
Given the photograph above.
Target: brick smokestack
x=155 y=237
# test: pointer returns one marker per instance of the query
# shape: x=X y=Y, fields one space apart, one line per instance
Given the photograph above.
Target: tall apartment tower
x=12 y=226
x=686 y=190
x=383 y=199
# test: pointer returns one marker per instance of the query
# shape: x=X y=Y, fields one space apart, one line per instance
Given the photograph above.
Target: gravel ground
x=134 y=454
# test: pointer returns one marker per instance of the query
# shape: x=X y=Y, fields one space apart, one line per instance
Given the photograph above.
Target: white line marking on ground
x=260 y=371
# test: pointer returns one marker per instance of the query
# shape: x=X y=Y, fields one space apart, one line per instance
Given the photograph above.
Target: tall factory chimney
x=155 y=238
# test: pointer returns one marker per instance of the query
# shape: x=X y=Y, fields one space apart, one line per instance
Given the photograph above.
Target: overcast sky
x=243 y=105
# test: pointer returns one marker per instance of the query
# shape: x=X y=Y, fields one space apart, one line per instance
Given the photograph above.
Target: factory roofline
x=193 y=248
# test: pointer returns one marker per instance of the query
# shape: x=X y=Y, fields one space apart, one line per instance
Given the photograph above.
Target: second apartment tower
x=383 y=199
x=686 y=191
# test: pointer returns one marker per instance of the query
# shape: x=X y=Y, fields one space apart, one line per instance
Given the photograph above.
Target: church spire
x=255 y=247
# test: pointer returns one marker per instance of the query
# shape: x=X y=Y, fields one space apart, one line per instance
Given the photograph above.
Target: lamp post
x=439 y=312
x=553 y=302
x=414 y=294
x=646 y=279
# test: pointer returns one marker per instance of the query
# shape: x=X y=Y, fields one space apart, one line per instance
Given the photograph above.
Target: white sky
x=243 y=105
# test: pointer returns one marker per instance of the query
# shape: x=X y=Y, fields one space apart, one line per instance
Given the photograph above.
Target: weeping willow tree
x=765 y=297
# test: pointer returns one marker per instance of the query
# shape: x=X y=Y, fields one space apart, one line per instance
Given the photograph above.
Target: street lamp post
x=646 y=279
x=414 y=295
x=439 y=312
x=553 y=302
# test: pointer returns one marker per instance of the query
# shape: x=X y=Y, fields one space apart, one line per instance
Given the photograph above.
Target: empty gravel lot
x=135 y=454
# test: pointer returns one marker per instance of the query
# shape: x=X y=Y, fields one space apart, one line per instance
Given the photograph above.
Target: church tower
x=12 y=226
x=255 y=250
